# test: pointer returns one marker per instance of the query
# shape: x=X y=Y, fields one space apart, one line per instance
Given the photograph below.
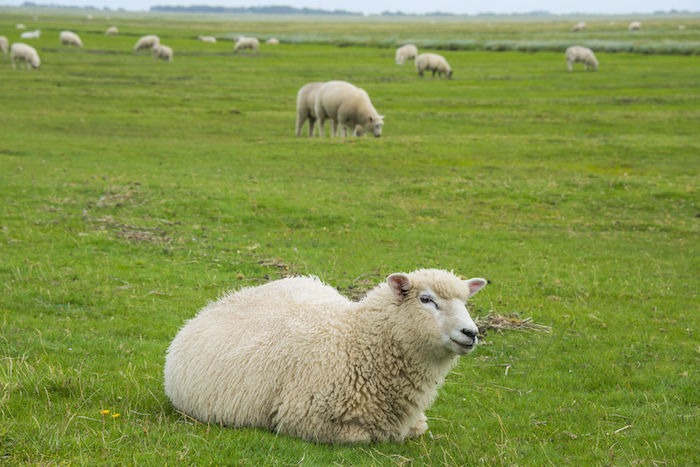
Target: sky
x=409 y=6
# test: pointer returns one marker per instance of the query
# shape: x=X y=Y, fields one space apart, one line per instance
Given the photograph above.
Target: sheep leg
x=419 y=427
x=299 y=124
x=312 y=123
x=321 y=122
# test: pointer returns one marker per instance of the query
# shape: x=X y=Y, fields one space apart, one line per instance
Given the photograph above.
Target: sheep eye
x=427 y=299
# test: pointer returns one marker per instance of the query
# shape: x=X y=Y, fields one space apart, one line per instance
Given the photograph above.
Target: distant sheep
x=306 y=101
x=31 y=34
x=20 y=52
x=4 y=44
x=20 y=26
x=635 y=26
x=347 y=106
x=272 y=41
x=112 y=31
x=295 y=357
x=162 y=52
x=70 y=38
x=209 y=39
x=247 y=43
x=577 y=53
x=433 y=62
x=579 y=27
x=147 y=42
x=406 y=52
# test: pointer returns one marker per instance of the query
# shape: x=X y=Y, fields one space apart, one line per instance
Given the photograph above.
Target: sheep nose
x=469 y=333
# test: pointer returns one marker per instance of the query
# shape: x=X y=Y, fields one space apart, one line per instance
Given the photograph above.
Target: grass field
x=133 y=192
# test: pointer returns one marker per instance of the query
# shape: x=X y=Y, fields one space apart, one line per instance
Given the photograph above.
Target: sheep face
x=443 y=308
x=375 y=125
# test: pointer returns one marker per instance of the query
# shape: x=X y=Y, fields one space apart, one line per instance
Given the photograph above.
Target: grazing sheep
x=244 y=43
x=209 y=39
x=70 y=38
x=112 y=31
x=577 y=53
x=4 y=44
x=24 y=53
x=20 y=26
x=273 y=41
x=433 y=62
x=635 y=26
x=348 y=106
x=296 y=357
x=31 y=34
x=306 y=101
x=146 y=42
x=163 y=52
x=579 y=27
x=406 y=52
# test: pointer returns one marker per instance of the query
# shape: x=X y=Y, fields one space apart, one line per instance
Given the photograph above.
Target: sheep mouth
x=464 y=345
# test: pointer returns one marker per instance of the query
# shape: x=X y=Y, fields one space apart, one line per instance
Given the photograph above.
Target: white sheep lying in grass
x=146 y=42
x=296 y=357
x=580 y=26
x=163 y=52
x=635 y=26
x=347 y=106
x=306 y=101
x=433 y=62
x=406 y=52
x=209 y=39
x=250 y=43
x=112 y=31
x=4 y=44
x=31 y=34
x=70 y=38
x=20 y=52
x=273 y=41
x=577 y=53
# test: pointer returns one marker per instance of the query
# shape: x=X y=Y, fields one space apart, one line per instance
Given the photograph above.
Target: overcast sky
x=409 y=6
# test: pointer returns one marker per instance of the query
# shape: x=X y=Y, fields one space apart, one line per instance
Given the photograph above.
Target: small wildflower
x=104 y=412
x=116 y=415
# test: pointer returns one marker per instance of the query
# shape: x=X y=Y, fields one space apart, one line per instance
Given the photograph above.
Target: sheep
x=4 y=44
x=579 y=27
x=635 y=26
x=24 y=53
x=244 y=43
x=406 y=52
x=31 y=34
x=70 y=38
x=433 y=62
x=348 y=106
x=20 y=26
x=273 y=41
x=577 y=53
x=163 y=52
x=146 y=42
x=112 y=31
x=295 y=357
x=209 y=39
x=306 y=101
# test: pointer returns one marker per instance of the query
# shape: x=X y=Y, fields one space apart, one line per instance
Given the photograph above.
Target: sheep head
x=439 y=299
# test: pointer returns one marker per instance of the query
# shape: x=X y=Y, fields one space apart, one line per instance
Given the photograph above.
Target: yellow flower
x=116 y=415
x=104 y=412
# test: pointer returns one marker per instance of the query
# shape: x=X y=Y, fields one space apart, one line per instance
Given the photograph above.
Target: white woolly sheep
x=635 y=26
x=243 y=43
x=209 y=39
x=406 y=52
x=4 y=44
x=577 y=53
x=579 y=27
x=347 y=106
x=20 y=26
x=146 y=42
x=31 y=34
x=20 y=52
x=163 y=52
x=112 y=31
x=433 y=62
x=296 y=357
x=272 y=41
x=306 y=102
x=70 y=38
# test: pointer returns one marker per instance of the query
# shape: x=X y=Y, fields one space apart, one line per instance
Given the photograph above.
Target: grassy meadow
x=133 y=192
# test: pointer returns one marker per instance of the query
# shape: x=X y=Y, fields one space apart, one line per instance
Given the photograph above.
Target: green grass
x=133 y=192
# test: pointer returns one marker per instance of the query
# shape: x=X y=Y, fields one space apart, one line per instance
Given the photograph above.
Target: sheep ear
x=400 y=284
x=475 y=285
